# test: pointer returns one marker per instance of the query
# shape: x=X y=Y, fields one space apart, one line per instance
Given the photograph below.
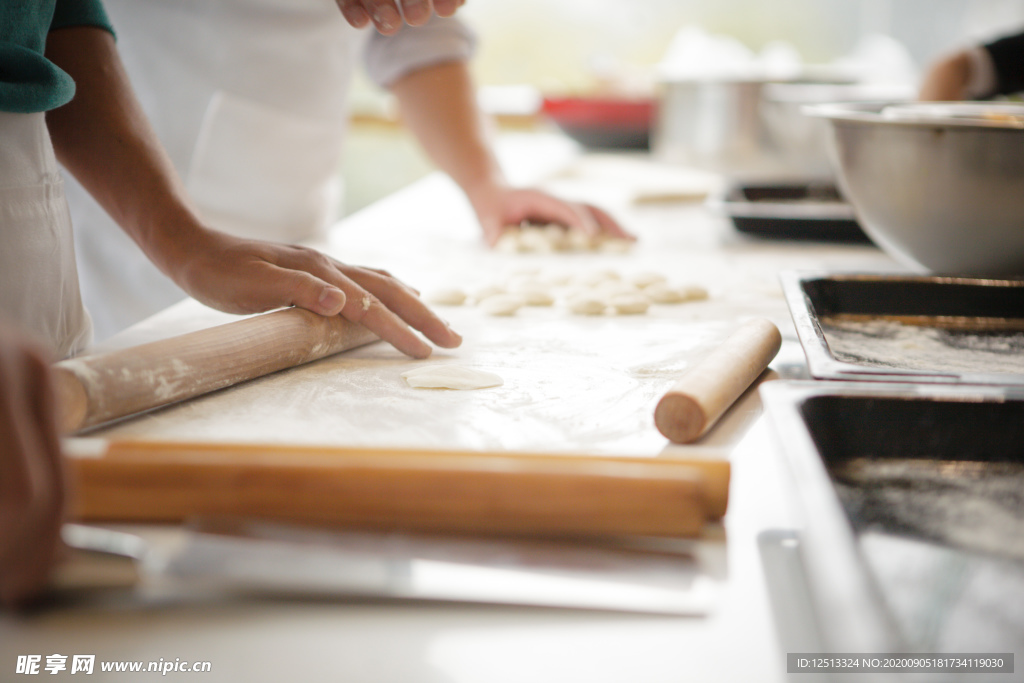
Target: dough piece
x=587 y=304
x=449 y=296
x=660 y=293
x=614 y=245
x=534 y=239
x=693 y=293
x=502 y=304
x=508 y=242
x=436 y=376
x=630 y=304
x=610 y=288
x=595 y=277
x=487 y=291
x=648 y=278
x=536 y=296
x=577 y=240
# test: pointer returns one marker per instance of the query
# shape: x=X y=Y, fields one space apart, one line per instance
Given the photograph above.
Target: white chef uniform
x=38 y=280
x=250 y=99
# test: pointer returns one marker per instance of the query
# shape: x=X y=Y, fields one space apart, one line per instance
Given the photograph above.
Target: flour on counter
x=451 y=377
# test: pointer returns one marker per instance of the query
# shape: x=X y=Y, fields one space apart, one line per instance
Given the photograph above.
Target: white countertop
x=571 y=384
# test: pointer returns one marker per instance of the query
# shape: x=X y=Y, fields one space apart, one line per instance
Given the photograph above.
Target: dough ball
x=508 y=242
x=535 y=239
x=449 y=296
x=614 y=245
x=630 y=304
x=595 y=277
x=661 y=293
x=450 y=377
x=610 y=288
x=587 y=304
x=648 y=278
x=502 y=304
x=487 y=291
x=536 y=296
x=577 y=240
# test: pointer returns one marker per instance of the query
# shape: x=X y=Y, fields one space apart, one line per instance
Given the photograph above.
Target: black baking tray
x=793 y=211
x=912 y=502
x=914 y=328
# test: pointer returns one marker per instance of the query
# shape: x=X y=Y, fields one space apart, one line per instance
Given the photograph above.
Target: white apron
x=249 y=97
x=38 y=278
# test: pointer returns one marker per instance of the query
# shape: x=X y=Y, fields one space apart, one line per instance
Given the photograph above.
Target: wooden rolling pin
x=436 y=491
x=107 y=386
x=707 y=390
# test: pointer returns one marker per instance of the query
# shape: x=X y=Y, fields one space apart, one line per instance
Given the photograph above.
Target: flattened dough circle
x=450 y=377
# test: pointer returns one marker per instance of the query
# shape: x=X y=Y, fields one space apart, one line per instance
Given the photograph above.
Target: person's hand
x=500 y=207
x=249 y=276
x=947 y=79
x=31 y=475
x=387 y=15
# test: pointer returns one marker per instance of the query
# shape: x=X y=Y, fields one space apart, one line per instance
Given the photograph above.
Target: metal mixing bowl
x=940 y=194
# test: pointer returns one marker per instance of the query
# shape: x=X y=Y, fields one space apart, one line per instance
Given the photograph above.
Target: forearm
x=104 y=139
x=438 y=104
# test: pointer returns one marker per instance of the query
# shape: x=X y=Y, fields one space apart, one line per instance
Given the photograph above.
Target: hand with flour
x=438 y=105
x=31 y=478
x=387 y=15
x=102 y=137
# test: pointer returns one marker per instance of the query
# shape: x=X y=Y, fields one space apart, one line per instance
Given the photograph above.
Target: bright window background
x=562 y=45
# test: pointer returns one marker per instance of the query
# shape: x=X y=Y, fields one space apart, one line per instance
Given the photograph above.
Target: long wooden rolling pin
x=707 y=390
x=437 y=491
x=107 y=386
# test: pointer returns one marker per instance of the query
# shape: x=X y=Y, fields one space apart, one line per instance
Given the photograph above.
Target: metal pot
x=714 y=124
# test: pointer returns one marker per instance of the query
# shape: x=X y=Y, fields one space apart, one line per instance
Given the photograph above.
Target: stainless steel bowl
x=945 y=195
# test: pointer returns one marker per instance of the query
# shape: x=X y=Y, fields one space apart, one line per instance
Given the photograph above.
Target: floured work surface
x=937 y=345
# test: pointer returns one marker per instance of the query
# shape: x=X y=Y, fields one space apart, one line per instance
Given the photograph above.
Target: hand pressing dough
x=450 y=377
x=630 y=304
x=502 y=304
x=587 y=304
x=451 y=296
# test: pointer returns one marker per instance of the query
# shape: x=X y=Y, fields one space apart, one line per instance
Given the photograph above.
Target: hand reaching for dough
x=31 y=479
x=504 y=206
x=249 y=276
x=387 y=15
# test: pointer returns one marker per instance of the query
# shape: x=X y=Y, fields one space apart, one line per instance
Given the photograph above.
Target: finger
x=446 y=8
x=569 y=214
x=407 y=305
x=608 y=225
x=366 y=309
x=417 y=12
x=384 y=14
x=354 y=13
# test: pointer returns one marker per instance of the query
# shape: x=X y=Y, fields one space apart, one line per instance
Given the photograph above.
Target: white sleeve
x=440 y=40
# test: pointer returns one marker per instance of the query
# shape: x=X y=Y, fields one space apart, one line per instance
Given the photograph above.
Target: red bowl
x=603 y=122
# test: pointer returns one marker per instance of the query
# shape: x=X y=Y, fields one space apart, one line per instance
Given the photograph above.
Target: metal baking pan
x=793 y=211
x=909 y=328
x=912 y=501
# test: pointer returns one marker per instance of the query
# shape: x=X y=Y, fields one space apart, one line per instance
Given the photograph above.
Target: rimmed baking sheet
x=912 y=512
x=908 y=327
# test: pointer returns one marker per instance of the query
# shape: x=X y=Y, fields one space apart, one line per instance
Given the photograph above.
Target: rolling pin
x=95 y=389
x=386 y=489
x=707 y=390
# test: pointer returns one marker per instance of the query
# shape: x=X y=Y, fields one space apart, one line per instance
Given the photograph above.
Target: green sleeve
x=80 y=13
